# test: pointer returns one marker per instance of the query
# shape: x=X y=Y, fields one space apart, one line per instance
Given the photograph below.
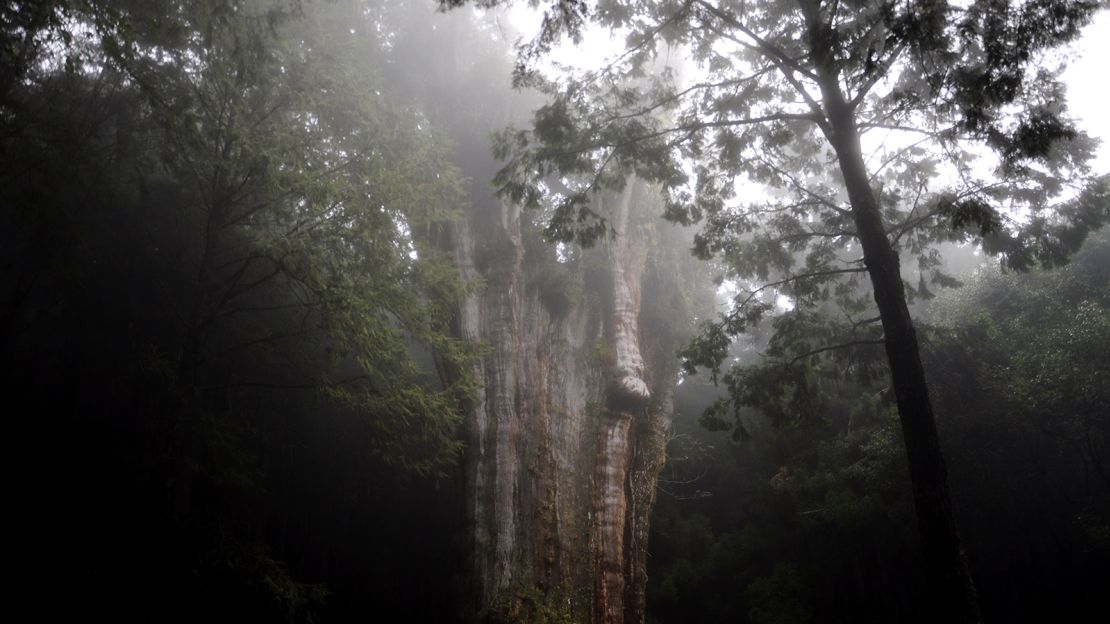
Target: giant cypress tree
x=567 y=433
x=787 y=99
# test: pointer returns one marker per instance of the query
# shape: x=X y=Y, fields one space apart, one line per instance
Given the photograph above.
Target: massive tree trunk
x=567 y=436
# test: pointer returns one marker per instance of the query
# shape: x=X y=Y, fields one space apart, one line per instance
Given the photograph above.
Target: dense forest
x=767 y=311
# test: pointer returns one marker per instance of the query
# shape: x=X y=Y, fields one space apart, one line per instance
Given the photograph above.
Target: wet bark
x=567 y=435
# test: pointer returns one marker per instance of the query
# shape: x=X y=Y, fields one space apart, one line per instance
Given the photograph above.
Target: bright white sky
x=1087 y=75
x=1088 y=80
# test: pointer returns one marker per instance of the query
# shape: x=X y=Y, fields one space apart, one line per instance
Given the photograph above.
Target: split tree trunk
x=567 y=436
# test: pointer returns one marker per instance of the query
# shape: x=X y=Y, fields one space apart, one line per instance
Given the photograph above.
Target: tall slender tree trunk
x=946 y=564
x=567 y=435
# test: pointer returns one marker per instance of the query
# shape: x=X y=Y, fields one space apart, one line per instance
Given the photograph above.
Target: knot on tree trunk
x=628 y=392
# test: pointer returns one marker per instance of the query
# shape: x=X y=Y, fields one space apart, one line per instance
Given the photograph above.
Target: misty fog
x=554 y=311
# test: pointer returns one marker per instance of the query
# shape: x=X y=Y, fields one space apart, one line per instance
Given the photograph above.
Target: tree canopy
x=222 y=293
x=300 y=194
x=961 y=108
x=816 y=518
x=815 y=142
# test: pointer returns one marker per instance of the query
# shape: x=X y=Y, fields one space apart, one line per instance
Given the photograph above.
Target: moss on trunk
x=563 y=445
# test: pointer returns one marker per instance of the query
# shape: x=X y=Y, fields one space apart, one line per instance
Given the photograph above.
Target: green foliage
x=775 y=598
x=762 y=149
x=971 y=211
x=1021 y=365
x=601 y=355
x=750 y=149
x=560 y=288
x=220 y=271
x=1049 y=241
x=956 y=66
x=800 y=521
x=1017 y=366
x=281 y=150
x=256 y=572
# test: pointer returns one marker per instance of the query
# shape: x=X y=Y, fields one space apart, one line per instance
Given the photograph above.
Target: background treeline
x=221 y=284
x=812 y=520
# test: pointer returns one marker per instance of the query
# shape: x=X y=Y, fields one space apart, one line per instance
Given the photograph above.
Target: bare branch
x=679 y=95
x=650 y=36
x=866 y=321
x=771 y=50
x=804 y=189
x=787 y=69
x=270 y=338
x=845 y=345
x=272 y=308
x=897 y=155
x=752 y=293
x=691 y=127
x=291 y=386
x=864 y=126
x=880 y=72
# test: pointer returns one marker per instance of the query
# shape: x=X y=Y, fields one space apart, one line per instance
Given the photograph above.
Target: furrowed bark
x=566 y=438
